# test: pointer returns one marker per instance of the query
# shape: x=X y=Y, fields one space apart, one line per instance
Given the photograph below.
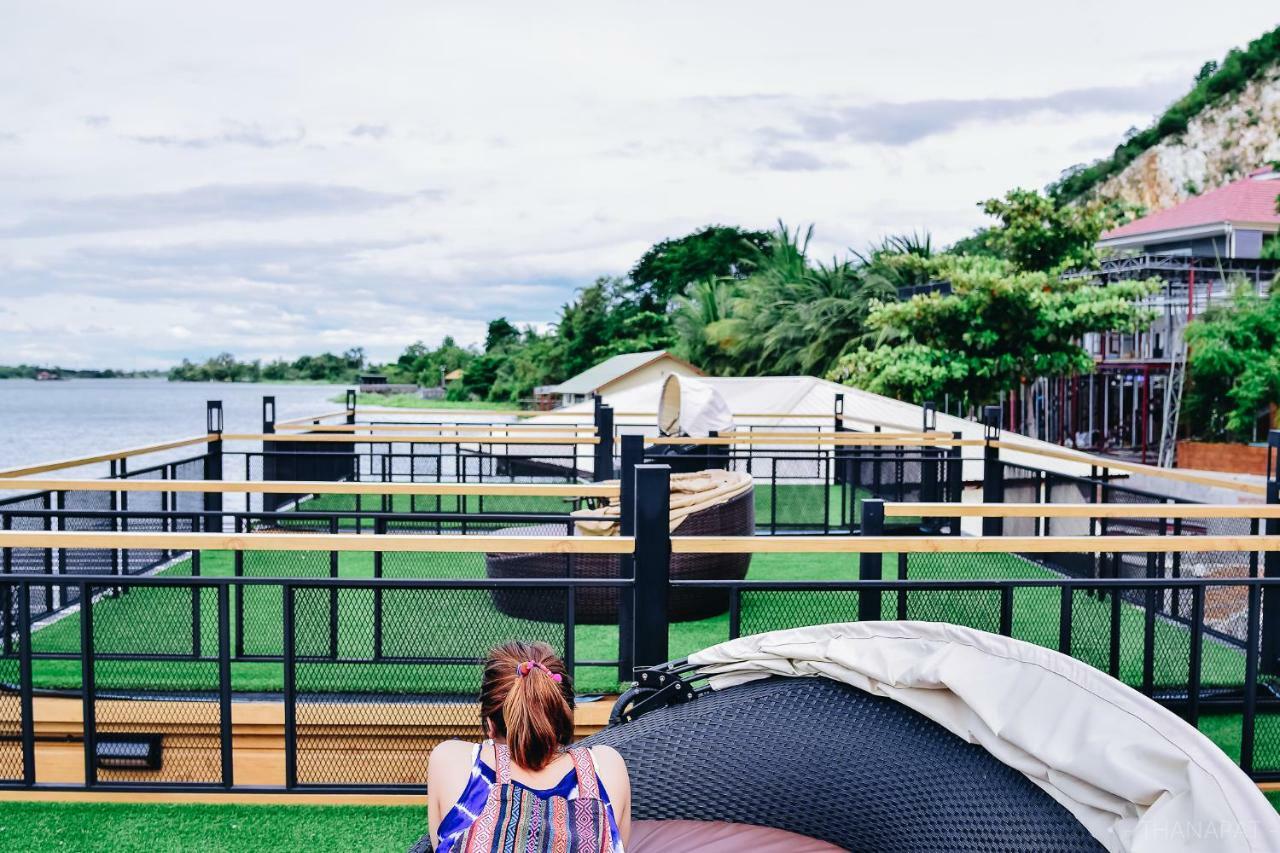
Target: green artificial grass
x=148 y=828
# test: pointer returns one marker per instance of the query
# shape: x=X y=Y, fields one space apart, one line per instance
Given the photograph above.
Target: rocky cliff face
x=1222 y=144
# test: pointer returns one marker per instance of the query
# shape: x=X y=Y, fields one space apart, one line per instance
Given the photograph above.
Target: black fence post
x=930 y=462
x=26 y=700
x=632 y=455
x=843 y=475
x=955 y=477
x=213 y=461
x=929 y=416
x=603 y=469
x=224 y=685
x=87 y=685
x=351 y=405
x=871 y=566
x=268 y=414
x=992 y=470
x=290 y=692
x=1270 y=657
x=652 y=563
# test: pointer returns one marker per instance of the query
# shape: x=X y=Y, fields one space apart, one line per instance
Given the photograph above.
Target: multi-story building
x=1200 y=249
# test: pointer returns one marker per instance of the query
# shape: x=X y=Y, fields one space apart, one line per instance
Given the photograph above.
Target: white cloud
x=270 y=179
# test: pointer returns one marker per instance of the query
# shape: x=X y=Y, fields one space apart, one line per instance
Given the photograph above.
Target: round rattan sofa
x=734 y=517
x=918 y=736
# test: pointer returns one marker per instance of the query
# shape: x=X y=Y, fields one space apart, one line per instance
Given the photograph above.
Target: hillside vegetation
x=1224 y=147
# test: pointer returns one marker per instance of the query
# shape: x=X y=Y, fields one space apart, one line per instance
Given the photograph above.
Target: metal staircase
x=1172 y=405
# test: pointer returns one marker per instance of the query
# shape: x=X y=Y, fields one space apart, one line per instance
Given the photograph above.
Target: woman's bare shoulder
x=608 y=759
x=450 y=752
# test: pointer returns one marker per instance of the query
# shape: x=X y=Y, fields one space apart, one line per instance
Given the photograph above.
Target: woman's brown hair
x=527 y=694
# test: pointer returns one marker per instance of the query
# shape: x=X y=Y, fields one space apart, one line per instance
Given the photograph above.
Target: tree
x=704 y=306
x=998 y=329
x=668 y=268
x=1037 y=233
x=499 y=334
x=1233 y=365
x=788 y=315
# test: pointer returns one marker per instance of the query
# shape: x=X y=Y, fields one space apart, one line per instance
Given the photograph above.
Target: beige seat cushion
x=690 y=492
x=686 y=836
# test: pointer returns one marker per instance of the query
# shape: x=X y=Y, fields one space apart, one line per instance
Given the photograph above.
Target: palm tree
x=699 y=321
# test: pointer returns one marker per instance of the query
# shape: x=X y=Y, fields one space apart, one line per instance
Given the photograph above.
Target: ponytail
x=528 y=696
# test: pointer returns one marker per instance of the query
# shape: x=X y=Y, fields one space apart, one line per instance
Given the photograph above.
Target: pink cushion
x=685 y=836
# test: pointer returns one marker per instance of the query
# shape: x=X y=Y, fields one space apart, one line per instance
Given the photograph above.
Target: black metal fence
x=368 y=675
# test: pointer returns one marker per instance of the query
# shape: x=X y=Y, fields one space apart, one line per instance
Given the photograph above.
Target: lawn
x=127 y=828
x=83 y=827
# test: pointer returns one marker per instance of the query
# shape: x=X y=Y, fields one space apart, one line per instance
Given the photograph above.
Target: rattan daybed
x=734 y=517
x=928 y=736
x=920 y=736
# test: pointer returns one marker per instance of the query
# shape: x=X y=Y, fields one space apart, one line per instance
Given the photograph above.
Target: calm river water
x=42 y=421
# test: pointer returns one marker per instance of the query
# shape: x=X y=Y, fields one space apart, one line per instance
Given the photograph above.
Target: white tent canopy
x=779 y=401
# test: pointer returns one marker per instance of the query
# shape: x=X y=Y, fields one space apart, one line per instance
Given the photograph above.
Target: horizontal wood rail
x=514 y=429
x=1136 y=468
x=107 y=457
x=967 y=544
x=843 y=439
x=321 y=487
x=339 y=413
x=782 y=416
x=825 y=432
x=1075 y=510
x=397 y=438
x=406 y=410
x=398 y=542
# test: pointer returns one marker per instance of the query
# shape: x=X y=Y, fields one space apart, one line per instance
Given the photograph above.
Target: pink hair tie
x=523 y=669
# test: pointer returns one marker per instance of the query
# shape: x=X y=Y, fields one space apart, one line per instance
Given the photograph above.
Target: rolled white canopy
x=1138 y=777
x=690 y=407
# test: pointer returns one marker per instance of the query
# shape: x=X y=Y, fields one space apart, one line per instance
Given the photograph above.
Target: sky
x=278 y=178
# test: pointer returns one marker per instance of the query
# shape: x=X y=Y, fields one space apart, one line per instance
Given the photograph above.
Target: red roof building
x=1229 y=222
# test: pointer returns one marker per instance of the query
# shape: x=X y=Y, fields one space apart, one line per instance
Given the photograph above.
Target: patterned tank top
x=456 y=823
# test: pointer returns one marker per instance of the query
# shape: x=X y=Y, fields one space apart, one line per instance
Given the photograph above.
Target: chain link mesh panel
x=156 y=679
x=395 y=674
x=10 y=675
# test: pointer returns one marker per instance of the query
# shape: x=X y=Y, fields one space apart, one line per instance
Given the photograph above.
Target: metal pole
x=1270 y=657
x=290 y=694
x=652 y=563
x=268 y=414
x=871 y=566
x=955 y=478
x=89 y=708
x=26 y=698
x=632 y=456
x=929 y=416
x=224 y=683
x=930 y=461
x=992 y=470
x=351 y=405
x=213 y=459
x=603 y=469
